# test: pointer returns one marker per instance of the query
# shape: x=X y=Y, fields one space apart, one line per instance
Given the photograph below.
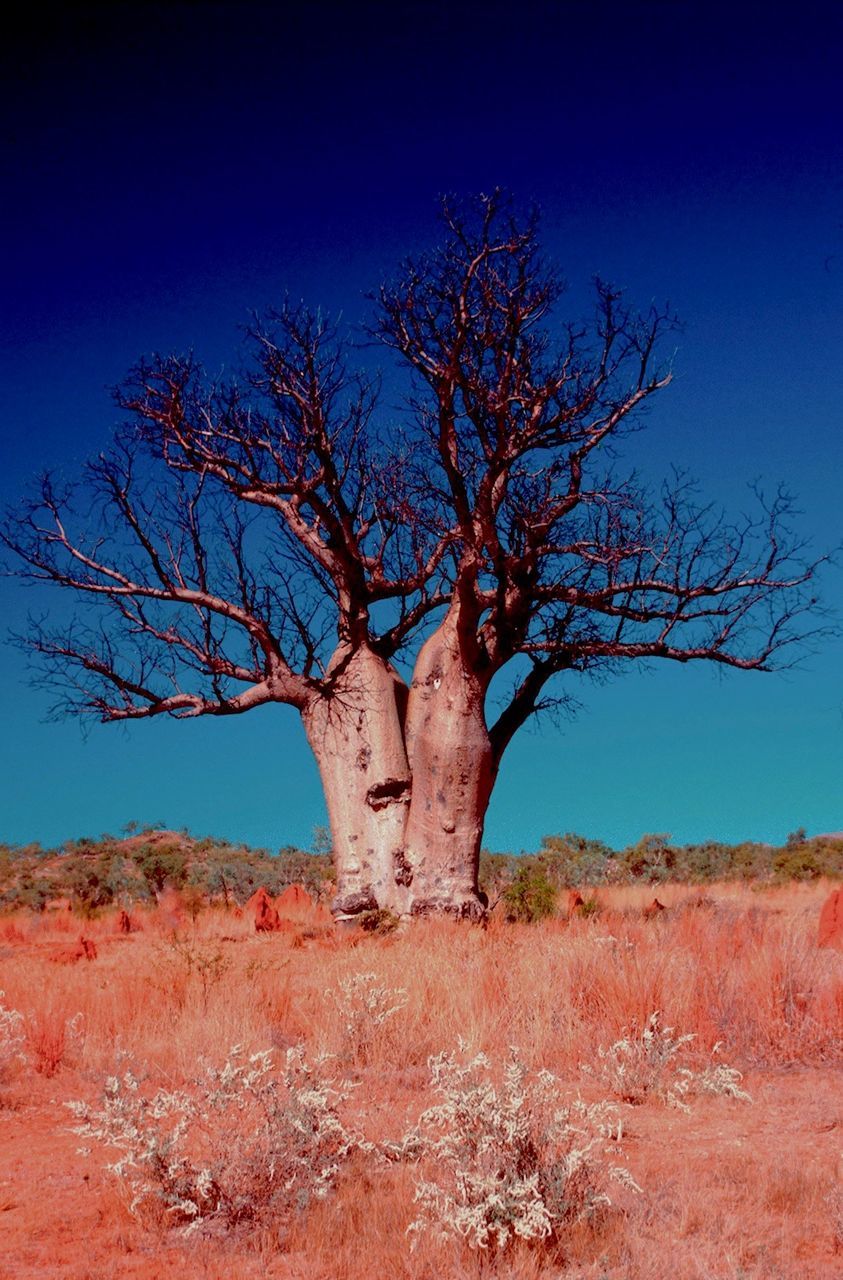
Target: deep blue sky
x=165 y=170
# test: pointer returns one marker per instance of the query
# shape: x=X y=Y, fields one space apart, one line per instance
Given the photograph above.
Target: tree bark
x=357 y=736
x=453 y=770
x=407 y=781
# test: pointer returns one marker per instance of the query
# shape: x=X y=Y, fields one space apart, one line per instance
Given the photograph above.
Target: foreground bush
x=511 y=1160
x=645 y=1063
x=364 y=1006
x=244 y=1144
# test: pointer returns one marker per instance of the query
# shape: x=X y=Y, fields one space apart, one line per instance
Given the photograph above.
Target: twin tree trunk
x=407 y=775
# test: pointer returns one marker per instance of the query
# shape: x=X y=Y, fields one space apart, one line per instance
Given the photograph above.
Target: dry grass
x=733 y=1189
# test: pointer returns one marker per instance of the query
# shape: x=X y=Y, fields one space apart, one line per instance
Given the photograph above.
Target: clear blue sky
x=168 y=169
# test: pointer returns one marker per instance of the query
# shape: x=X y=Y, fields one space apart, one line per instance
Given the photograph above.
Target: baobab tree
x=281 y=537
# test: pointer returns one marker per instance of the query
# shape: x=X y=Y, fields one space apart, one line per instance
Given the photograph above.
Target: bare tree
x=270 y=539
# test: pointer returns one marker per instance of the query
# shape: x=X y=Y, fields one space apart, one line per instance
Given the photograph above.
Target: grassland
x=745 y=1190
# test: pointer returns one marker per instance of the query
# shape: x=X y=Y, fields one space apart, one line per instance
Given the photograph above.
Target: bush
x=185 y=965
x=31 y=892
x=11 y=1039
x=652 y=858
x=193 y=901
x=295 y=866
x=797 y=862
x=52 y=1038
x=234 y=873
x=531 y=896
x=160 y=866
x=495 y=872
x=643 y=1064
x=364 y=1007
x=90 y=882
x=511 y=1160
x=575 y=860
x=243 y=1146
x=380 y=921
x=698 y=863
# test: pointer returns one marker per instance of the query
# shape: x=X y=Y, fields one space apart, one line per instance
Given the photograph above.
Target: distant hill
x=138 y=867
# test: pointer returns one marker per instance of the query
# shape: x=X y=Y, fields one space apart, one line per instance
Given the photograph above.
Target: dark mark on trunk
x=392 y=791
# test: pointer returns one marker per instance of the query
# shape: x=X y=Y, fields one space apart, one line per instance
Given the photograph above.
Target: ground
x=744 y=1190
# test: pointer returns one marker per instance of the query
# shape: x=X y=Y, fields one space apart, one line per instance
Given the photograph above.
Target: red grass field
x=729 y=1188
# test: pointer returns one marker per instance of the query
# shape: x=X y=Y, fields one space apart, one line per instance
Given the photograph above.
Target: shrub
x=11 y=1038
x=495 y=872
x=92 y=882
x=185 y=964
x=652 y=858
x=193 y=901
x=797 y=863
x=364 y=1007
x=30 y=891
x=243 y=1146
x=51 y=1038
x=531 y=896
x=511 y=1161
x=380 y=921
x=573 y=859
x=295 y=866
x=699 y=863
x=161 y=865
x=643 y=1064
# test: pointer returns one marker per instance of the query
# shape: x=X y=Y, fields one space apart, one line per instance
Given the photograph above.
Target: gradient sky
x=166 y=170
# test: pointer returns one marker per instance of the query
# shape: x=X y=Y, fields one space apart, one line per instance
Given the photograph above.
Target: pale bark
x=407 y=786
x=357 y=736
x=453 y=774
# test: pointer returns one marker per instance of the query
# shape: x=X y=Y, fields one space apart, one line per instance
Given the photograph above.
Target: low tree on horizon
x=278 y=537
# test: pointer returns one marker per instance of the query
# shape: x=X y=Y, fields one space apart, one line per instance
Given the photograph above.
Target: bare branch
x=240 y=533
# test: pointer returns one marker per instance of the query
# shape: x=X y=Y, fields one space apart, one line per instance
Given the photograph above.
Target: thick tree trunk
x=357 y=736
x=407 y=781
x=453 y=774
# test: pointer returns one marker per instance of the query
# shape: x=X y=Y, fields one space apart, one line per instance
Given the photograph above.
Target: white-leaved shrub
x=11 y=1038
x=644 y=1064
x=716 y=1078
x=507 y=1158
x=244 y=1142
x=364 y=1006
